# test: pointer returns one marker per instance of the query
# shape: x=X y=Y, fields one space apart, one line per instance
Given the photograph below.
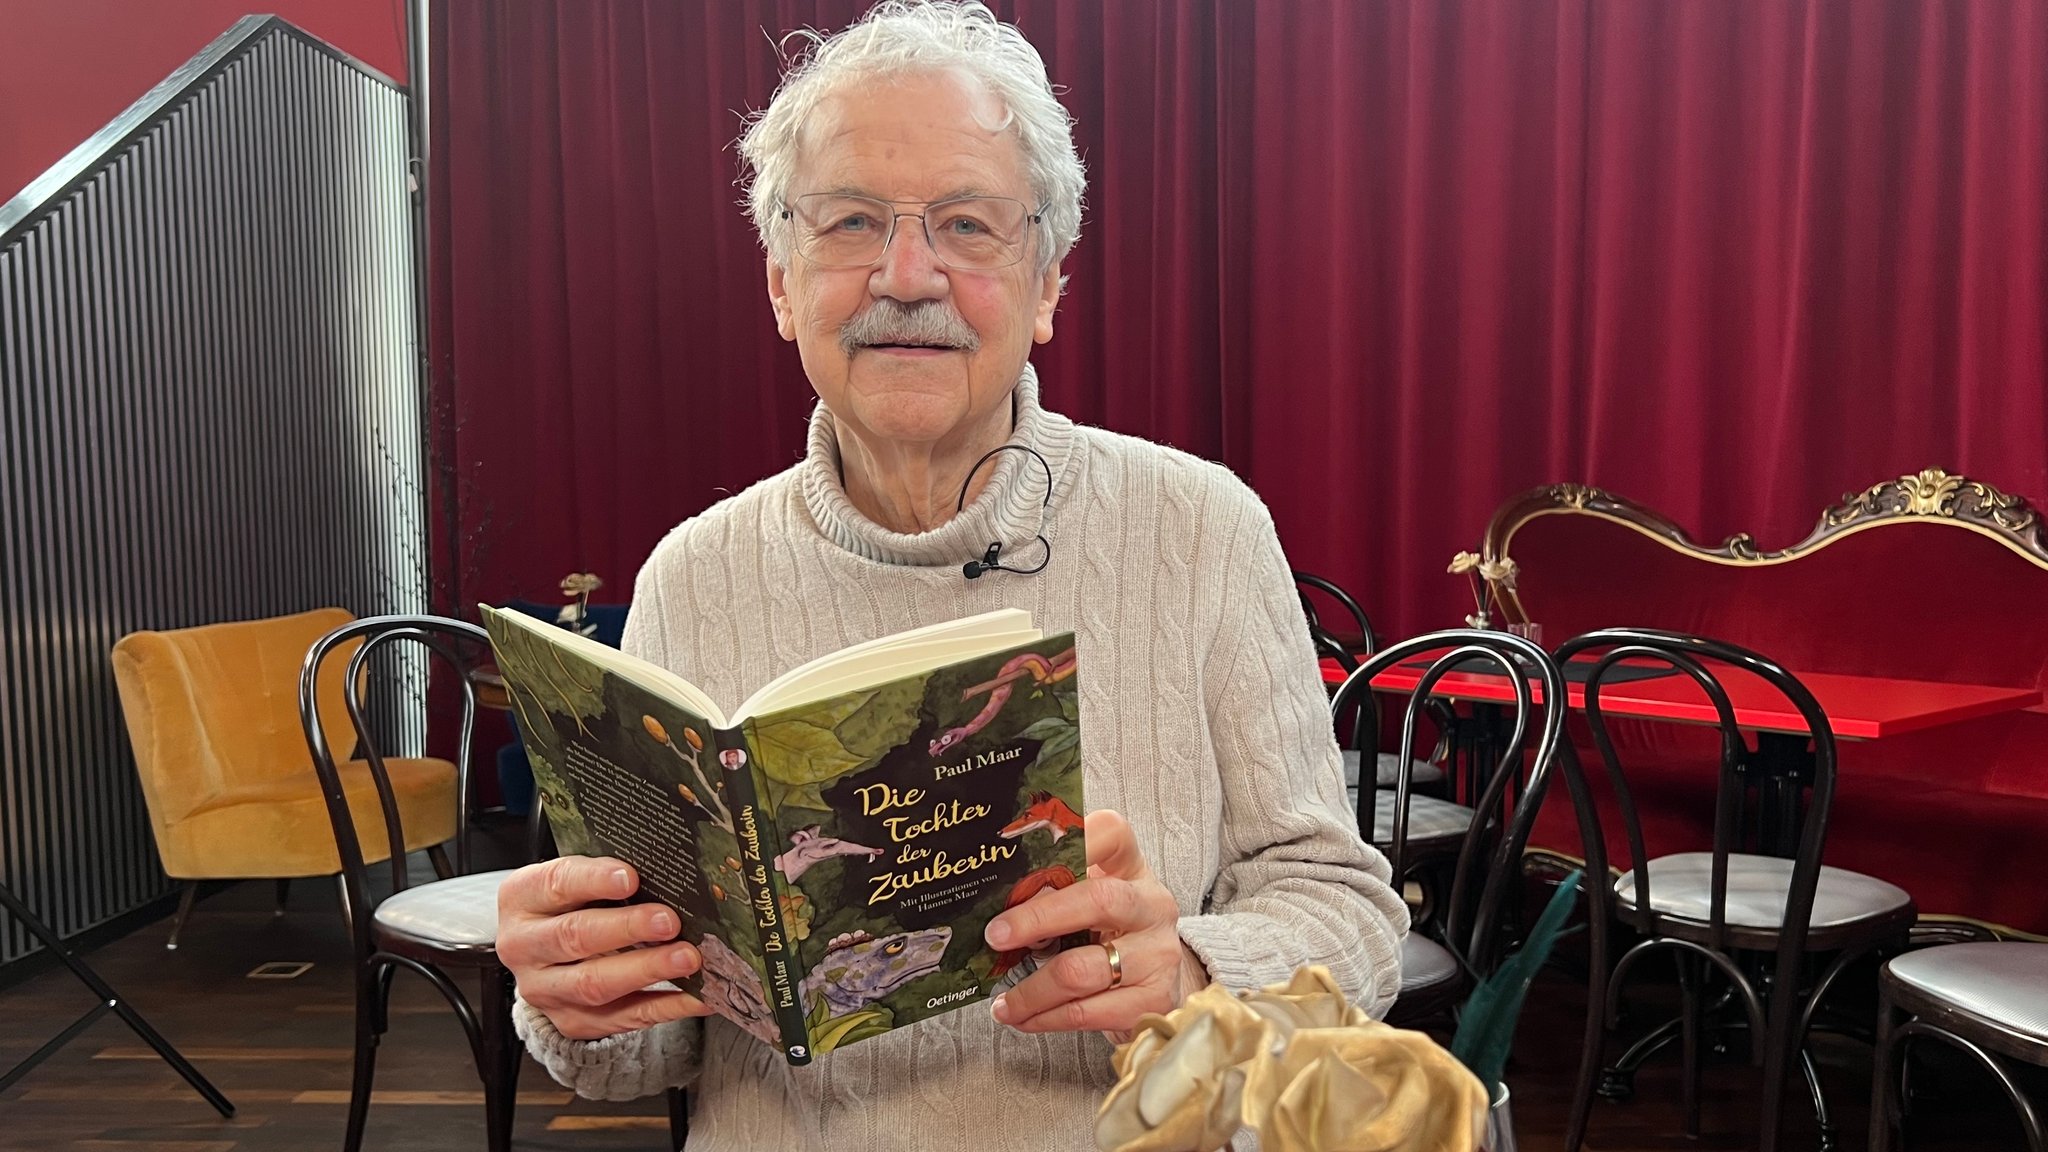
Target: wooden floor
x=280 y=1050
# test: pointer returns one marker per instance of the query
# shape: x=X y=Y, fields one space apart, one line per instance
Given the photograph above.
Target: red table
x=1857 y=707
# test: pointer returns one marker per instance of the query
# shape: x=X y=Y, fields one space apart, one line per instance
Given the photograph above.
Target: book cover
x=834 y=861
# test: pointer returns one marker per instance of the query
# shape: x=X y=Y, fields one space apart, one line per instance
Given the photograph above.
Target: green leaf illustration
x=1046 y=727
x=562 y=686
x=801 y=750
x=1060 y=740
x=884 y=721
x=781 y=796
x=844 y=1030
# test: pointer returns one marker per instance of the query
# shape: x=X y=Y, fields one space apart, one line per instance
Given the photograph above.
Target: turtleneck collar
x=1010 y=507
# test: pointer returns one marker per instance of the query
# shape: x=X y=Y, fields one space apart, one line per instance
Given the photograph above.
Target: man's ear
x=778 y=299
x=1048 y=303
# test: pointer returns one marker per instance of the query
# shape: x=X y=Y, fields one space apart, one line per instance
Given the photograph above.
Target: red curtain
x=1391 y=262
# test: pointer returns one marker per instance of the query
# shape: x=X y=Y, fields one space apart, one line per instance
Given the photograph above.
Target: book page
x=891 y=657
x=652 y=677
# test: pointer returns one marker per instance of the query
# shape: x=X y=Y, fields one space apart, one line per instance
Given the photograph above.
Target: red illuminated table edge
x=1857 y=707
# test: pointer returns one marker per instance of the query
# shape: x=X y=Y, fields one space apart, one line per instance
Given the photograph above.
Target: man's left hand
x=1120 y=902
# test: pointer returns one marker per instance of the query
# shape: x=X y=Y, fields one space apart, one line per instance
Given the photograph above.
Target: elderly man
x=915 y=185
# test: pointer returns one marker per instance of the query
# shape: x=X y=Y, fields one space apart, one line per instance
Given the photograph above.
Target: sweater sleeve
x=622 y=1067
x=631 y=1064
x=1296 y=883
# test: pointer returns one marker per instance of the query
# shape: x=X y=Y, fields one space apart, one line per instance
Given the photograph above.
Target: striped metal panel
x=210 y=410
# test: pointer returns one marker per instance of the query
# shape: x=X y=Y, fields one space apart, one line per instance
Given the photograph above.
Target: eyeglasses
x=970 y=234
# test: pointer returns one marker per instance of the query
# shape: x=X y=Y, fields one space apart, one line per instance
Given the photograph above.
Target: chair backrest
x=1306 y=582
x=1508 y=800
x=461 y=646
x=212 y=711
x=1740 y=824
x=1331 y=648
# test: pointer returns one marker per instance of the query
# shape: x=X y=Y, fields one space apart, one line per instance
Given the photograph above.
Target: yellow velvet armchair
x=213 y=714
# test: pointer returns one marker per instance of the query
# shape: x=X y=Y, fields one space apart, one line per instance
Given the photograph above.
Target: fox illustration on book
x=1045 y=811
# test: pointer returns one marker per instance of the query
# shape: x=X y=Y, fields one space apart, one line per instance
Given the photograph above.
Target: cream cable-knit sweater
x=1203 y=721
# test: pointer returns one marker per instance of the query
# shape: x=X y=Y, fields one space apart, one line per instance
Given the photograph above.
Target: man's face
x=909 y=142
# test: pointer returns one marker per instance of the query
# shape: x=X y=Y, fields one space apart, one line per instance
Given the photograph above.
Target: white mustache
x=894 y=322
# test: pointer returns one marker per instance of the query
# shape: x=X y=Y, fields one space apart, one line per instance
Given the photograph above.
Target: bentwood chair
x=1329 y=647
x=1758 y=908
x=1988 y=1000
x=1362 y=641
x=431 y=928
x=1444 y=957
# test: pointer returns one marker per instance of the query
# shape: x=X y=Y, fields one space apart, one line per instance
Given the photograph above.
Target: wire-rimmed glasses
x=968 y=233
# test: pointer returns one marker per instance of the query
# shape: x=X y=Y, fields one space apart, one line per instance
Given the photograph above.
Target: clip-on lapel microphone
x=991 y=560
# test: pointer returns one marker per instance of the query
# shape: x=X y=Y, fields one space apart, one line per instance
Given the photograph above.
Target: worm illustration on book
x=1047 y=811
x=1041 y=670
x=808 y=848
x=1043 y=880
x=859 y=969
x=731 y=984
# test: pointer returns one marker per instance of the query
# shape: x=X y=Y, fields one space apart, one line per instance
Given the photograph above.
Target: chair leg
x=498 y=1063
x=284 y=895
x=1591 y=1050
x=438 y=856
x=373 y=987
x=1781 y=1047
x=678 y=1118
x=185 y=902
x=1883 y=1082
x=1820 y=1100
x=1689 y=1040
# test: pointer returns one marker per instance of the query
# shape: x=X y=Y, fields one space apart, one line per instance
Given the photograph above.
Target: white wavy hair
x=910 y=37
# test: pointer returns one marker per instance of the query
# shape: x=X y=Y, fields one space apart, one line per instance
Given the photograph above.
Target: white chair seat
x=1428 y=817
x=1682 y=885
x=2007 y=983
x=1389 y=765
x=1425 y=963
x=461 y=911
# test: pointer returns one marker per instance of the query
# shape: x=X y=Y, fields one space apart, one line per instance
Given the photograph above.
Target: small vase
x=1500 y=1123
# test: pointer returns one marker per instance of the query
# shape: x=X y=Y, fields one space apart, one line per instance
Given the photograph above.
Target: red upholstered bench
x=1929 y=577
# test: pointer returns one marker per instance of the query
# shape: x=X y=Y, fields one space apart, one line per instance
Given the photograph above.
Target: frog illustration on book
x=859 y=969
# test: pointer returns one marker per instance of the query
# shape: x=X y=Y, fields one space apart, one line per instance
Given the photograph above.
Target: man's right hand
x=580 y=965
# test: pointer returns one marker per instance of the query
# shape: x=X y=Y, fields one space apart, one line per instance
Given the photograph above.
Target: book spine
x=755 y=827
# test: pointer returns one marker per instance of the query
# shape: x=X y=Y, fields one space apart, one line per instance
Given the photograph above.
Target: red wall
x=69 y=66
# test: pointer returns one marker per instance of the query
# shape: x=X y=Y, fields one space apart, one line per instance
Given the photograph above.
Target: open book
x=836 y=845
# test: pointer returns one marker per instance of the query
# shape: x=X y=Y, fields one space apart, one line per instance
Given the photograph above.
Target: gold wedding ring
x=1116 y=963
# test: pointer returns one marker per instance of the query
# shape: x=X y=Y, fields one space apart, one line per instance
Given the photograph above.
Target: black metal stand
x=109 y=1001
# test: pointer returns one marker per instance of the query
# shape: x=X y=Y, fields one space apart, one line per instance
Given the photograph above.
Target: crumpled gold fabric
x=1297 y=1063
x=1366 y=1088
x=1182 y=1077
